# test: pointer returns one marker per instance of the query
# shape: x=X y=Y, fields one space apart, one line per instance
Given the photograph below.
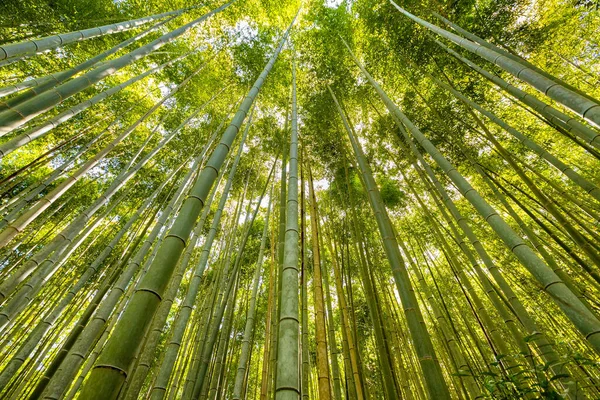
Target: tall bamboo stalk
x=44 y=83
x=26 y=218
x=45 y=127
x=552 y=114
x=435 y=383
x=59 y=375
x=107 y=377
x=287 y=385
x=185 y=312
x=323 y=378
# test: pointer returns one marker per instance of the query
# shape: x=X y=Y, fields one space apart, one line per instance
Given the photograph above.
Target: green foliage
x=559 y=36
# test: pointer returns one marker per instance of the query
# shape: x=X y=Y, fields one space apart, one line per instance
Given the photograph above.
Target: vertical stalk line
x=323 y=377
x=305 y=372
x=280 y=247
x=144 y=360
x=87 y=332
x=180 y=323
x=351 y=369
x=333 y=347
x=464 y=370
x=201 y=381
x=269 y=328
x=287 y=384
x=432 y=372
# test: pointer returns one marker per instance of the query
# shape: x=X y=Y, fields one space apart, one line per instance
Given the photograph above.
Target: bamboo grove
x=246 y=199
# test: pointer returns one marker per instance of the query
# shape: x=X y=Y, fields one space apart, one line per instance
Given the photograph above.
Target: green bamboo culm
x=31 y=47
x=87 y=331
x=432 y=372
x=510 y=54
x=585 y=184
x=40 y=85
x=585 y=321
x=581 y=105
x=552 y=114
x=17 y=116
x=52 y=316
x=67 y=235
x=109 y=374
x=209 y=347
x=144 y=360
x=287 y=385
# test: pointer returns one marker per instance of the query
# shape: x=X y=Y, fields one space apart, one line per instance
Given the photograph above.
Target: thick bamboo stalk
x=84 y=338
x=304 y=350
x=44 y=83
x=576 y=178
x=181 y=321
x=52 y=316
x=553 y=115
x=510 y=54
x=26 y=218
x=531 y=235
x=287 y=384
x=67 y=235
x=45 y=127
x=145 y=359
x=280 y=252
x=134 y=239
x=29 y=48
